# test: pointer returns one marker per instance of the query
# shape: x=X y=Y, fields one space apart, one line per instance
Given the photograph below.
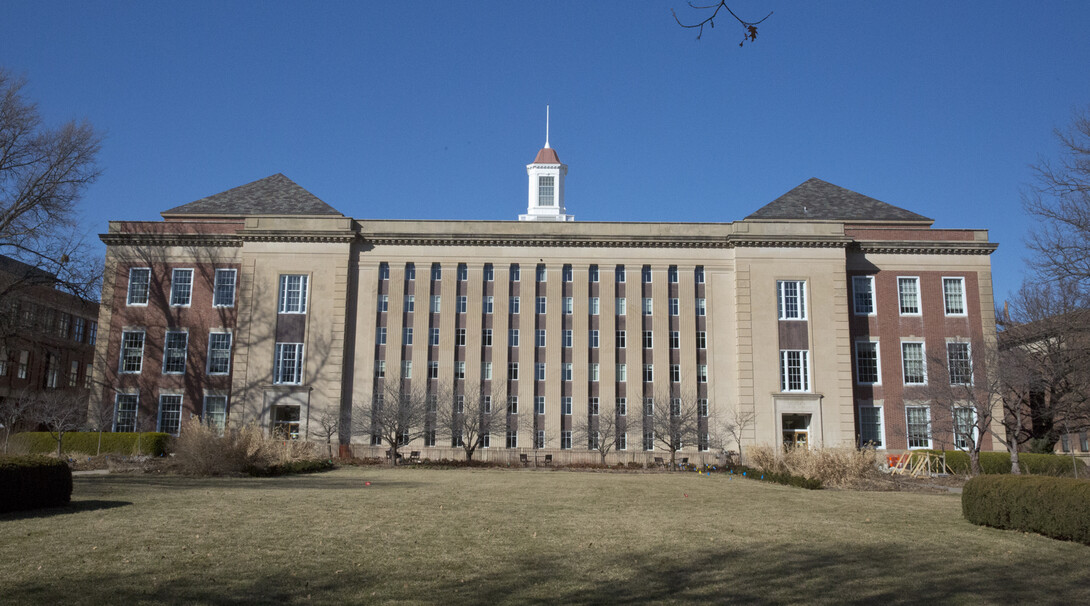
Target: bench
x=524 y=459
x=548 y=459
x=414 y=456
x=660 y=463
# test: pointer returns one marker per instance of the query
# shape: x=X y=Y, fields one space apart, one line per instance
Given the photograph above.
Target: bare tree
x=731 y=427
x=674 y=420
x=467 y=417
x=60 y=412
x=599 y=431
x=1060 y=202
x=396 y=415
x=14 y=410
x=100 y=418
x=43 y=173
x=749 y=28
x=327 y=426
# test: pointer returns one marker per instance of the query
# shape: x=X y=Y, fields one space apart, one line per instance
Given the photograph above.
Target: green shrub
x=1055 y=507
x=150 y=443
x=1000 y=463
x=33 y=483
x=304 y=466
x=778 y=477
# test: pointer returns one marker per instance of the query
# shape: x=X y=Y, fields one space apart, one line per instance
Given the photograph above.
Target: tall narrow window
x=515 y=274
x=215 y=413
x=619 y=302
x=567 y=273
x=410 y=271
x=621 y=339
x=489 y=304
x=594 y=306
x=132 y=352
x=293 y=294
x=170 y=413
x=463 y=272
x=539 y=371
x=125 y=415
x=791 y=299
x=953 y=294
x=863 y=295
x=383 y=303
x=436 y=271
x=565 y=406
x=960 y=363
x=223 y=293
x=181 y=287
x=539 y=405
x=866 y=363
x=594 y=339
x=139 y=283
x=918 y=420
x=566 y=371
x=646 y=274
x=541 y=305
x=541 y=275
x=174 y=350
x=699 y=274
x=915 y=371
x=794 y=370
x=288 y=364
x=593 y=273
x=622 y=406
x=619 y=274
x=569 y=306
x=675 y=307
x=383 y=271
x=513 y=305
x=908 y=292
x=648 y=306
x=870 y=426
x=672 y=274
x=545 y=190
x=436 y=303
x=593 y=373
x=489 y=272
x=965 y=433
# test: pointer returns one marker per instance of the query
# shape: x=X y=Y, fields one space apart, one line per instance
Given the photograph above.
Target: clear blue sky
x=432 y=109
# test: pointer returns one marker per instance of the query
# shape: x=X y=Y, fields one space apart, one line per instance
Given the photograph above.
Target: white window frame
x=512 y=337
x=621 y=406
x=962 y=295
x=129 y=295
x=139 y=360
x=410 y=304
x=542 y=305
x=701 y=307
x=801 y=364
x=620 y=306
x=858 y=290
x=648 y=306
x=436 y=303
x=212 y=355
x=569 y=306
x=539 y=371
x=279 y=374
x=513 y=305
x=923 y=362
x=168 y=357
x=566 y=371
x=972 y=433
x=217 y=286
x=594 y=340
x=594 y=306
x=489 y=304
x=565 y=406
x=701 y=339
x=539 y=405
x=968 y=360
x=675 y=306
x=621 y=336
x=908 y=431
x=870 y=405
x=178 y=298
x=622 y=372
x=783 y=297
x=117 y=427
x=287 y=289
x=159 y=426
x=215 y=419
x=877 y=363
x=901 y=292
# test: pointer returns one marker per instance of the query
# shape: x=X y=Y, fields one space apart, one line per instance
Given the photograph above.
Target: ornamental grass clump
x=200 y=450
x=840 y=467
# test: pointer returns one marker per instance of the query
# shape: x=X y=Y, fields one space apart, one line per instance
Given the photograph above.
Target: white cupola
x=545 y=195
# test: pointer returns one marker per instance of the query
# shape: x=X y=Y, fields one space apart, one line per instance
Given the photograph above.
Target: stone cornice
x=925 y=248
x=298 y=236
x=144 y=239
x=599 y=241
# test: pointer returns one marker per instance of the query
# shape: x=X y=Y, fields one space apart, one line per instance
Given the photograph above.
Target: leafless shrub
x=837 y=467
x=199 y=450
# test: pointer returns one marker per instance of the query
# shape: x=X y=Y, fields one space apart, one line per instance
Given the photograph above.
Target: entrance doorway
x=796 y=431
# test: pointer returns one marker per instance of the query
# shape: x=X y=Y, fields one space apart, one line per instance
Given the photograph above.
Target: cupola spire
x=546 y=184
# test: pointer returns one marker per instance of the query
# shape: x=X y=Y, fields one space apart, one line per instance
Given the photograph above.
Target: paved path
x=91 y=472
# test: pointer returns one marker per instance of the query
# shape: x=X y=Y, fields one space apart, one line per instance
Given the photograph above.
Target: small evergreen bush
x=778 y=477
x=33 y=482
x=1054 y=507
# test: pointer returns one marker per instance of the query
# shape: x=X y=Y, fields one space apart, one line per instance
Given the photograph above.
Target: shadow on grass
x=72 y=507
x=316 y=481
x=775 y=574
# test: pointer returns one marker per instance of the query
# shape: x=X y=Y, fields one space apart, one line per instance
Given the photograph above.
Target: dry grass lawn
x=494 y=536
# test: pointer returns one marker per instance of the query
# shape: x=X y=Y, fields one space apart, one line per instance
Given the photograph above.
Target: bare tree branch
x=749 y=28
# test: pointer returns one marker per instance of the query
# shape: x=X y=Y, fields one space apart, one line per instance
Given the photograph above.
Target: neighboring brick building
x=47 y=336
x=263 y=303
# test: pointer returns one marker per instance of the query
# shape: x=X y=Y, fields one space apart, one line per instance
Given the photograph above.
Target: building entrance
x=796 y=431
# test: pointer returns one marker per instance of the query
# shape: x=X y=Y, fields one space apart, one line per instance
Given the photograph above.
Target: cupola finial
x=546 y=127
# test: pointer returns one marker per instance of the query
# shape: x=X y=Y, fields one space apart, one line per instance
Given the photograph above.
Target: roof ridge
x=818 y=200
x=273 y=195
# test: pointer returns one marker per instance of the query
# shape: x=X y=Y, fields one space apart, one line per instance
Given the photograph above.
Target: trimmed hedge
x=1000 y=463
x=151 y=442
x=1055 y=507
x=775 y=476
x=305 y=466
x=33 y=483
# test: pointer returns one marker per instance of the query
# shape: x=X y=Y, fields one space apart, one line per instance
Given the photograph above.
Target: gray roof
x=275 y=195
x=817 y=200
x=23 y=271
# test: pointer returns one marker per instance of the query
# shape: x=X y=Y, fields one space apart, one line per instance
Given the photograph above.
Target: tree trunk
x=974 y=461
x=60 y=442
x=99 y=451
x=469 y=454
x=1015 y=468
x=673 y=454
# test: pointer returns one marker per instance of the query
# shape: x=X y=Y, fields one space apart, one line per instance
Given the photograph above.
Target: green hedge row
x=33 y=482
x=86 y=442
x=305 y=466
x=775 y=476
x=1055 y=507
x=1000 y=463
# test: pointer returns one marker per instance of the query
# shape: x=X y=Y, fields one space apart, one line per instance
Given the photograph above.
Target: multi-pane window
x=73 y=373
x=489 y=304
x=594 y=339
x=433 y=369
x=649 y=440
x=701 y=339
x=293 y=294
x=512 y=371
x=622 y=407
x=410 y=303
x=671 y=273
x=675 y=407
x=647 y=306
x=675 y=307
x=460 y=337
x=870 y=426
x=593 y=273
x=380 y=369
x=918 y=420
x=566 y=273
x=953 y=296
x=132 y=352
x=383 y=271
x=620 y=335
x=964 y=427
x=170 y=413
x=539 y=371
x=383 y=303
x=515 y=273
x=619 y=304
x=125 y=415
x=513 y=305
x=960 y=363
x=541 y=304
x=866 y=363
x=566 y=371
x=407 y=335
x=486 y=372
x=701 y=307
x=436 y=303
x=215 y=413
x=541 y=275
x=512 y=438
x=648 y=339
x=181 y=287
x=565 y=440
x=702 y=373
x=77 y=329
x=794 y=370
x=675 y=339
x=619 y=274
x=380 y=335
x=908 y=293
x=288 y=364
x=699 y=274
x=863 y=295
x=463 y=304
x=593 y=370
x=912 y=360
x=219 y=353
x=513 y=337
x=545 y=190
x=62 y=325
x=592 y=407
x=410 y=271
x=459 y=371
x=675 y=373
x=92 y=333
x=223 y=291
x=702 y=407
x=436 y=271
x=512 y=405
x=489 y=272
x=569 y=305
x=791 y=299
x=463 y=272
x=594 y=306
x=592 y=440
x=406 y=369
x=648 y=373
x=139 y=284
x=646 y=274
x=567 y=338
x=622 y=372
x=539 y=438
x=565 y=406
x=539 y=405
x=622 y=441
